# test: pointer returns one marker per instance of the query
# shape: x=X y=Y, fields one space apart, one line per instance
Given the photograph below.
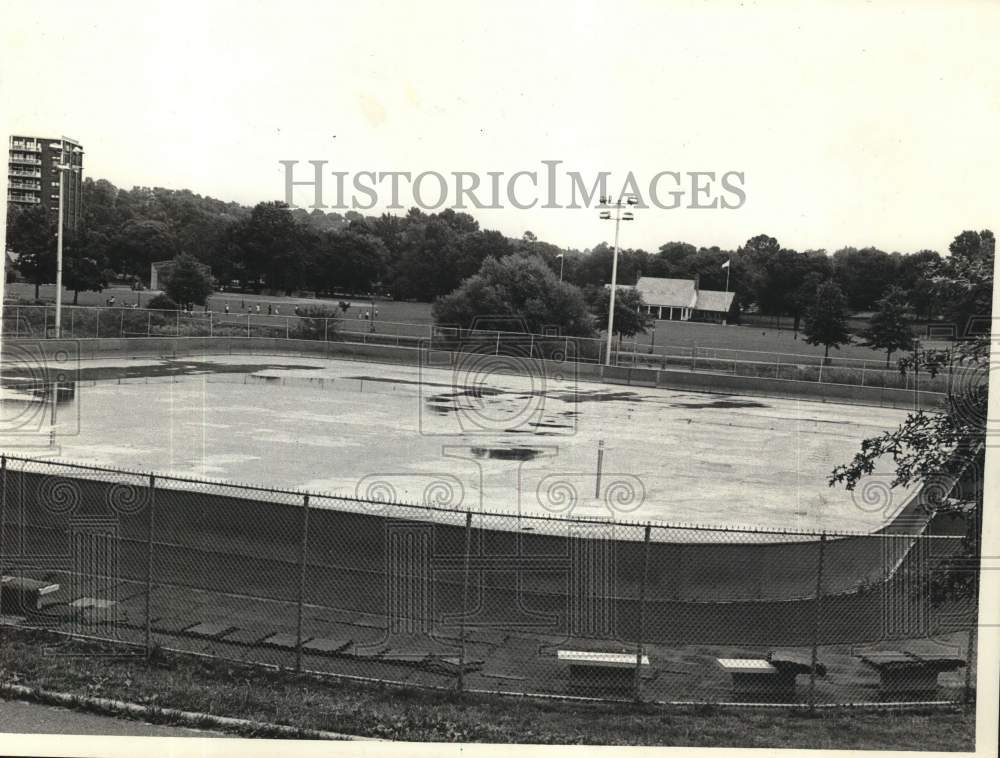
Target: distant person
x=276 y=311
x=297 y=310
x=258 y=307
x=226 y=310
x=268 y=309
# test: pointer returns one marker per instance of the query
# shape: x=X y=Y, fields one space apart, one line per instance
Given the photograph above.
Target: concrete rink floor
x=465 y=436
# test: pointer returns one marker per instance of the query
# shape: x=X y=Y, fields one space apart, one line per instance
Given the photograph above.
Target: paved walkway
x=19 y=717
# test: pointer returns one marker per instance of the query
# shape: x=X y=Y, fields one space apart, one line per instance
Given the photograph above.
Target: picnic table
x=18 y=593
x=910 y=674
x=590 y=670
x=769 y=677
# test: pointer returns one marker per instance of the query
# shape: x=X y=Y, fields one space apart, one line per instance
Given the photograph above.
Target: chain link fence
x=25 y=321
x=432 y=595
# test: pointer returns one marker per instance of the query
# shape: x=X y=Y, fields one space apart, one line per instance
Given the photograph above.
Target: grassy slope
x=245 y=692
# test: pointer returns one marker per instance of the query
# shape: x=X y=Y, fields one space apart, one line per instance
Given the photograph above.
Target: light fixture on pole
x=562 y=259
x=62 y=167
x=618 y=215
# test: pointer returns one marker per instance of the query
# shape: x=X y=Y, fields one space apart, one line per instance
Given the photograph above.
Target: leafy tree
x=889 y=329
x=952 y=443
x=31 y=234
x=864 y=275
x=973 y=245
x=964 y=283
x=349 y=261
x=630 y=318
x=188 y=281
x=518 y=286
x=84 y=255
x=141 y=242
x=826 y=320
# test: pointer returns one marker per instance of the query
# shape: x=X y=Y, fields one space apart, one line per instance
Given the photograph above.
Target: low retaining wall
x=43 y=355
x=721 y=593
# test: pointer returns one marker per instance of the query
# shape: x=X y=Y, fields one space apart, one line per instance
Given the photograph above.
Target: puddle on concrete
x=722 y=404
x=598 y=396
x=506 y=453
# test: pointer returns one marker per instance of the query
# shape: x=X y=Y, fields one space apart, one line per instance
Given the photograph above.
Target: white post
x=248 y=325
x=326 y=330
x=531 y=347
x=211 y=329
x=177 y=319
x=288 y=328
x=497 y=351
x=614 y=286
x=121 y=325
x=149 y=323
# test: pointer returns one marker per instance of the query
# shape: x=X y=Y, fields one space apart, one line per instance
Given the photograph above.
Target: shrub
x=162 y=303
x=316 y=322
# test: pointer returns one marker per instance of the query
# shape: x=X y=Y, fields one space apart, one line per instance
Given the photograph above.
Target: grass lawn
x=236 y=690
x=388 y=310
x=768 y=344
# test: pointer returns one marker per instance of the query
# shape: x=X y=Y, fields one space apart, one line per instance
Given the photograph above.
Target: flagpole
x=729 y=265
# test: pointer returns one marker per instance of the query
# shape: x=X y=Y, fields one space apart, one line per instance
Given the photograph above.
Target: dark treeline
x=422 y=256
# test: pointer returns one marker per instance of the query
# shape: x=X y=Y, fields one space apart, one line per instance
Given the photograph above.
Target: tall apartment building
x=33 y=176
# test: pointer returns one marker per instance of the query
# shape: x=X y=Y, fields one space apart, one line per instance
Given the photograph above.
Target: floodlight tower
x=63 y=166
x=616 y=211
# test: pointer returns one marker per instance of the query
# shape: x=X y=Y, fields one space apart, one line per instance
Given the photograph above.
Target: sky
x=852 y=124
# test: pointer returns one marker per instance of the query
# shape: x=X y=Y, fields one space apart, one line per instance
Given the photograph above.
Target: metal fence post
x=817 y=620
x=302 y=582
x=149 y=323
x=326 y=330
x=288 y=328
x=45 y=322
x=3 y=511
x=72 y=318
x=497 y=351
x=211 y=327
x=641 y=636
x=121 y=324
x=248 y=325
x=150 y=530
x=465 y=602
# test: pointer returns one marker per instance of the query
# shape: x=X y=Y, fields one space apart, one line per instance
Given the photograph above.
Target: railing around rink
x=437 y=594
x=38 y=322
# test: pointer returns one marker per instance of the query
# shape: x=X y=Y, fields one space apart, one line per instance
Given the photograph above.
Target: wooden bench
x=770 y=677
x=902 y=673
x=596 y=671
x=21 y=594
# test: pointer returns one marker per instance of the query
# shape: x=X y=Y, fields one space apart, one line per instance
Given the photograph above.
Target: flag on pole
x=726 y=264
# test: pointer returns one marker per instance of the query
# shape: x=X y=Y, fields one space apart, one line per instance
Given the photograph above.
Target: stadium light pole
x=562 y=259
x=63 y=167
x=619 y=215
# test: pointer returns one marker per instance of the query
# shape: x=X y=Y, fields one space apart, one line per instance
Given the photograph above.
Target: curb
x=168 y=716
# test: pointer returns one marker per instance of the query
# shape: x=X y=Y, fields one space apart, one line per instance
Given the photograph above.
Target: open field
x=663 y=337
x=388 y=310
